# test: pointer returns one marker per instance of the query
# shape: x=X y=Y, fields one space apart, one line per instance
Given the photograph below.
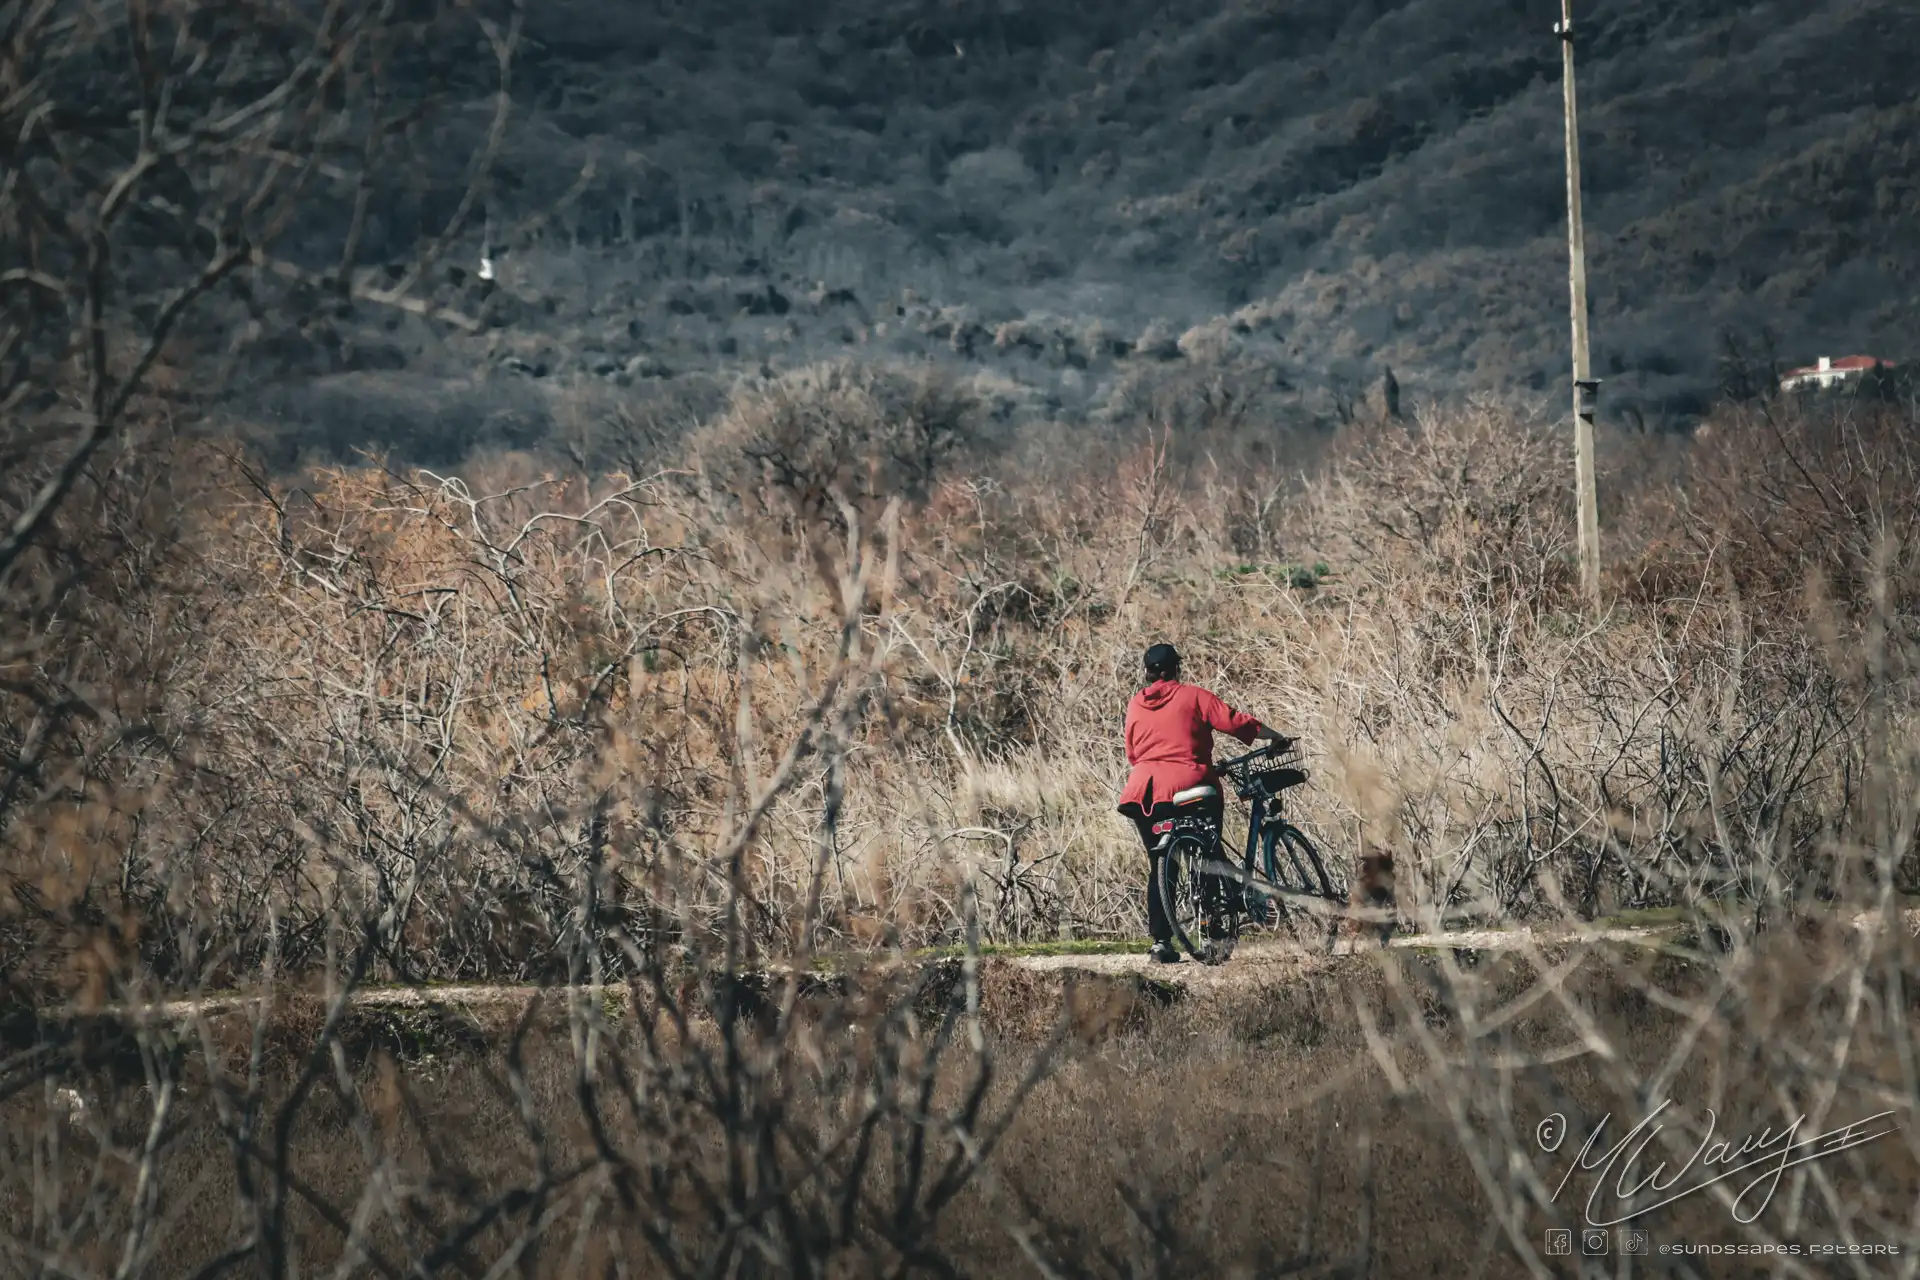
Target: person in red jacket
x=1170 y=728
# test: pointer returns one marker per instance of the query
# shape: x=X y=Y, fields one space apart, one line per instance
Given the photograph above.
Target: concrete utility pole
x=1586 y=388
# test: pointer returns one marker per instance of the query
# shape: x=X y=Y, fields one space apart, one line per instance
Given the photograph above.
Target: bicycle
x=1206 y=898
x=1280 y=862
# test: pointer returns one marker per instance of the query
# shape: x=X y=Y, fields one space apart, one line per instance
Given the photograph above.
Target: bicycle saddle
x=1194 y=794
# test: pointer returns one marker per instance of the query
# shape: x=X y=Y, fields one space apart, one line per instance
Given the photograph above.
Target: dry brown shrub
x=798 y=446
x=1788 y=490
x=1475 y=493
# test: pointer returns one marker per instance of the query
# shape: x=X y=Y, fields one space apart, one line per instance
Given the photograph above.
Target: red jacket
x=1170 y=729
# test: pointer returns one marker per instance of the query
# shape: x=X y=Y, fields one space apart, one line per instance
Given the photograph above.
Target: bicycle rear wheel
x=1200 y=904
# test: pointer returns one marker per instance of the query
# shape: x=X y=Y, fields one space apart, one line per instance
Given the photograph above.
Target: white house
x=1829 y=372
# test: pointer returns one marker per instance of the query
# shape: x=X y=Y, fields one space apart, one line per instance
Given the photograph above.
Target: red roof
x=1845 y=364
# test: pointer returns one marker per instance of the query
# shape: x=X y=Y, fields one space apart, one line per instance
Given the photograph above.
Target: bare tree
x=167 y=170
x=181 y=184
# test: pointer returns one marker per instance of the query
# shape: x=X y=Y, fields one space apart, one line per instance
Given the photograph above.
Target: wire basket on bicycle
x=1267 y=772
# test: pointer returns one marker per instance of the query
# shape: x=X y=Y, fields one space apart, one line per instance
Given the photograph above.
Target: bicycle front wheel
x=1200 y=903
x=1294 y=864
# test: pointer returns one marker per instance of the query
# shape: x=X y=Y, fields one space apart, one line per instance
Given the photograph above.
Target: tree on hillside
x=1749 y=368
x=1887 y=384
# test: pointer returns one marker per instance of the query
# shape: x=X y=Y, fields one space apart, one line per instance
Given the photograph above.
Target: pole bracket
x=1587 y=393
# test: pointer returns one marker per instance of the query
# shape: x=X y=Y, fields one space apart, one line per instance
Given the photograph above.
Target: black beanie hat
x=1162 y=658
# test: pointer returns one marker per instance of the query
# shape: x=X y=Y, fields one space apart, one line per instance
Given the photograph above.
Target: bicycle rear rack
x=1199 y=824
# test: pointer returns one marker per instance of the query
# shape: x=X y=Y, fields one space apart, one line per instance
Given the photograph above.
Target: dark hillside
x=1061 y=196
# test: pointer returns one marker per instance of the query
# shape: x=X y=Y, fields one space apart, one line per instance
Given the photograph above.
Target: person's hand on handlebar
x=1277 y=738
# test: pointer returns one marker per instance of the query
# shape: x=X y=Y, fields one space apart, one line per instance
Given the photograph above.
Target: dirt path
x=1256 y=962
x=1262 y=961
x=1259 y=961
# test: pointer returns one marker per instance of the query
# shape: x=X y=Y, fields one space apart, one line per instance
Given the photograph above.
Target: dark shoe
x=1164 y=953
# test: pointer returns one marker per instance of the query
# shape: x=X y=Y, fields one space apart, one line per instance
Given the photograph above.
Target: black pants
x=1158 y=925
